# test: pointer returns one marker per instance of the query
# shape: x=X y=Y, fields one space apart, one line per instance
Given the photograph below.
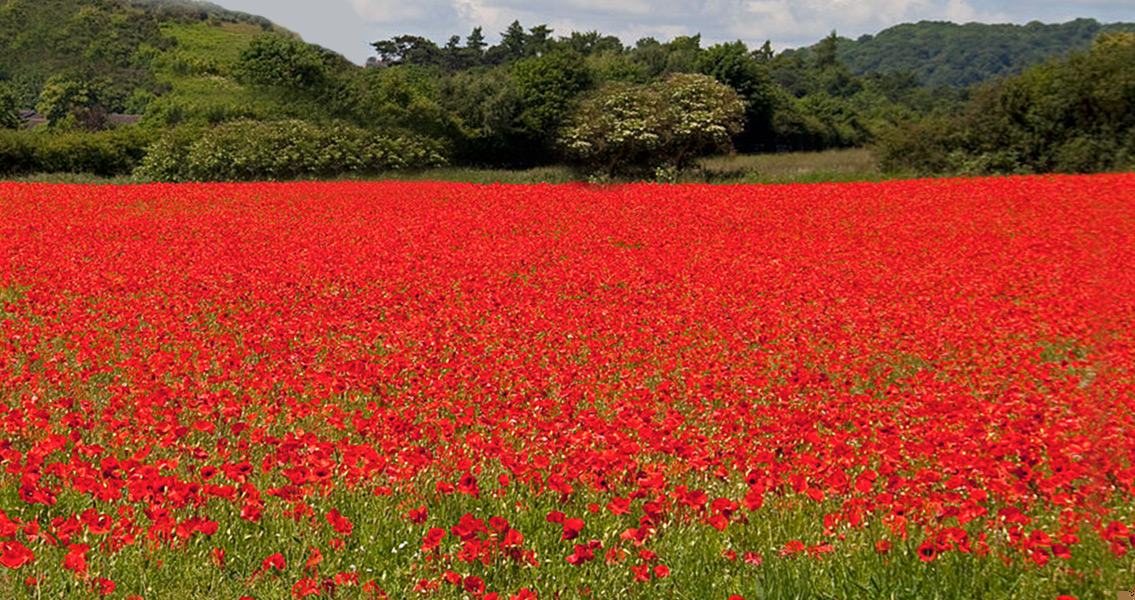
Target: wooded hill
x=112 y=42
x=948 y=54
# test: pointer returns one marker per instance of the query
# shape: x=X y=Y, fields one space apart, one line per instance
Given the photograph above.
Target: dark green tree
x=733 y=65
x=70 y=102
x=539 y=40
x=9 y=107
x=281 y=61
x=512 y=45
x=548 y=85
x=826 y=52
x=409 y=50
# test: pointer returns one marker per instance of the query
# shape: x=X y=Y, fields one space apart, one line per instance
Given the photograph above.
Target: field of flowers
x=918 y=389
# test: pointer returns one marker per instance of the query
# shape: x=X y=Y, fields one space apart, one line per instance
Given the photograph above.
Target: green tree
x=733 y=65
x=69 y=103
x=827 y=52
x=547 y=86
x=400 y=98
x=281 y=61
x=1075 y=114
x=486 y=106
x=683 y=53
x=475 y=41
x=512 y=45
x=409 y=50
x=9 y=106
x=538 y=41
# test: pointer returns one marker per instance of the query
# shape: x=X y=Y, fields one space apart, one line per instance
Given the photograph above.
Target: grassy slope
x=200 y=69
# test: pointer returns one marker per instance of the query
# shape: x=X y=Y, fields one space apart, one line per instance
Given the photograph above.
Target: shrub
x=17 y=152
x=626 y=128
x=251 y=150
x=104 y=153
x=9 y=103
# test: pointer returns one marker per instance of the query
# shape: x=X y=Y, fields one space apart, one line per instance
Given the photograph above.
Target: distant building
x=30 y=119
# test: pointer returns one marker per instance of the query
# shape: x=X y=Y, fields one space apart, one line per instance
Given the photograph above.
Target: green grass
x=200 y=73
x=221 y=43
x=831 y=166
x=386 y=548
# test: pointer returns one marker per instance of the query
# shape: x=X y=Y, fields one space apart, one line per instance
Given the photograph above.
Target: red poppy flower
x=14 y=554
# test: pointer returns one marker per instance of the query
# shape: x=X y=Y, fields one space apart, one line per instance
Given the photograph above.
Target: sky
x=349 y=26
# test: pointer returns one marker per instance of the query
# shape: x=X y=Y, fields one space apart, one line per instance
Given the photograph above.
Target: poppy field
x=918 y=389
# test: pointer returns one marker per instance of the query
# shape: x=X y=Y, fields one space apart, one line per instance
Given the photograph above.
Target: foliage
x=748 y=75
x=626 y=127
x=1075 y=114
x=103 y=153
x=9 y=107
x=396 y=98
x=80 y=38
x=547 y=86
x=254 y=150
x=942 y=54
x=486 y=107
x=281 y=61
x=619 y=127
x=68 y=103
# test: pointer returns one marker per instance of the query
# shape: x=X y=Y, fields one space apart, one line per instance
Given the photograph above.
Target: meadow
x=904 y=389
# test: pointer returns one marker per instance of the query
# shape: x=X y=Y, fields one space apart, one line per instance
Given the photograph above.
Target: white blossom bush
x=629 y=129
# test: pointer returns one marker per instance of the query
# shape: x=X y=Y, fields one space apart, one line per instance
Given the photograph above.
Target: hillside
x=128 y=52
x=948 y=54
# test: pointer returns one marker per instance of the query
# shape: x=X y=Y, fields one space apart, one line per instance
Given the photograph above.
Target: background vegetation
x=930 y=98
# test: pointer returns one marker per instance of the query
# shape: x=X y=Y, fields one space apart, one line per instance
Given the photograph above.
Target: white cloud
x=397 y=11
x=785 y=22
x=960 y=11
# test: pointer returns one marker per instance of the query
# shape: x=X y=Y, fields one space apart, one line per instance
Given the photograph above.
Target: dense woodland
x=219 y=88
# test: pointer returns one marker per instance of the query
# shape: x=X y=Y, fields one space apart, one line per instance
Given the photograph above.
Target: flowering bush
x=623 y=128
x=436 y=390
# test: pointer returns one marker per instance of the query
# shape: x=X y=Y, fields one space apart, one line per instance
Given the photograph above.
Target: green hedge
x=106 y=153
x=254 y=151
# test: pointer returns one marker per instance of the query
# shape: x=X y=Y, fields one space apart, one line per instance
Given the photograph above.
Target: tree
x=592 y=42
x=547 y=86
x=617 y=129
x=281 y=61
x=683 y=53
x=624 y=128
x=826 y=56
x=68 y=102
x=9 y=107
x=539 y=38
x=475 y=48
x=409 y=50
x=475 y=41
x=513 y=42
x=705 y=115
x=486 y=106
x=1075 y=114
x=733 y=65
x=400 y=98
